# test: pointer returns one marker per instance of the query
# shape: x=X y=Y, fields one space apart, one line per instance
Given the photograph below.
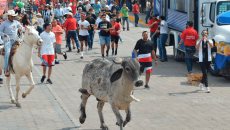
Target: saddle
x=12 y=52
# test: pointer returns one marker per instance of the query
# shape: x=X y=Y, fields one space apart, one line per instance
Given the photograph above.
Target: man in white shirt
x=9 y=28
x=87 y=5
x=84 y=26
x=163 y=39
x=46 y=51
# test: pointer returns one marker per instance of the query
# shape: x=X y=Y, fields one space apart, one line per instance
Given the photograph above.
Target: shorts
x=105 y=40
x=115 y=39
x=146 y=67
x=48 y=60
x=58 y=48
x=83 y=38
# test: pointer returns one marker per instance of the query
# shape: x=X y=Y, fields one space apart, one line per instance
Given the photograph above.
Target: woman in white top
x=204 y=49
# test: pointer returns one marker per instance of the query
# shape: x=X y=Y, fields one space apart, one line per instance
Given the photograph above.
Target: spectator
x=163 y=39
x=104 y=27
x=204 y=50
x=147 y=9
x=114 y=32
x=189 y=36
x=84 y=26
x=71 y=26
x=46 y=51
x=57 y=30
x=136 y=12
x=97 y=8
x=144 y=51
x=25 y=20
x=125 y=16
x=92 y=22
x=59 y=13
x=154 y=33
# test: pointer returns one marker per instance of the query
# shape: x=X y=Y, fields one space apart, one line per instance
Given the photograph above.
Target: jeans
x=7 y=47
x=72 y=34
x=127 y=22
x=162 y=49
x=136 y=16
x=204 y=68
x=90 y=38
x=147 y=16
x=154 y=40
x=189 y=52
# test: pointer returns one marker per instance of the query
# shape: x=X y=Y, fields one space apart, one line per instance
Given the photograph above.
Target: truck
x=210 y=15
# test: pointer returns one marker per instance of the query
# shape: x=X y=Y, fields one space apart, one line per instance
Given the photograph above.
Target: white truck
x=211 y=15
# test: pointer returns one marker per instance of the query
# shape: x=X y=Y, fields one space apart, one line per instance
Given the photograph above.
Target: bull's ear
x=116 y=75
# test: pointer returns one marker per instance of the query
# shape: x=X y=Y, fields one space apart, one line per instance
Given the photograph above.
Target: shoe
x=147 y=86
x=103 y=56
x=65 y=55
x=201 y=87
x=81 y=57
x=78 y=50
x=56 y=62
x=74 y=47
x=49 y=81
x=208 y=90
x=107 y=53
x=69 y=50
x=43 y=78
x=1 y=81
x=123 y=29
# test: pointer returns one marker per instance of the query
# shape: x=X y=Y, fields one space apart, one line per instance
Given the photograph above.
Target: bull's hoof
x=82 y=119
x=104 y=127
x=18 y=105
x=139 y=83
x=12 y=101
x=125 y=123
x=23 y=95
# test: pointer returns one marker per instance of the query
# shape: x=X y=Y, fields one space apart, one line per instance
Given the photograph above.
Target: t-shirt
x=164 y=27
x=56 y=30
x=144 y=47
x=104 y=25
x=189 y=36
x=10 y=28
x=155 y=26
x=84 y=24
x=91 y=21
x=114 y=31
x=47 y=47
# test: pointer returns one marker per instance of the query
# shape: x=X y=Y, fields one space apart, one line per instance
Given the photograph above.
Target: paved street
x=169 y=104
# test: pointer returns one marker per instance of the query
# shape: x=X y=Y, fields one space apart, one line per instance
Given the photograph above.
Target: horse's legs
x=84 y=98
x=100 y=106
x=10 y=89
x=118 y=116
x=128 y=116
x=31 y=80
x=17 y=90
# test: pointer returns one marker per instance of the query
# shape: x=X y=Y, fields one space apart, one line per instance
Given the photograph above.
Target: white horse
x=22 y=62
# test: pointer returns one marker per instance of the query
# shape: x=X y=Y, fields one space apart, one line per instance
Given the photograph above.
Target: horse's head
x=31 y=36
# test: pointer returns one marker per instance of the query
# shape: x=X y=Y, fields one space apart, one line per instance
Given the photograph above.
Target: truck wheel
x=227 y=77
x=178 y=55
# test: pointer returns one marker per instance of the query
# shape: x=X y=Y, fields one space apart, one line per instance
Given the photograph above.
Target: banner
x=3 y=5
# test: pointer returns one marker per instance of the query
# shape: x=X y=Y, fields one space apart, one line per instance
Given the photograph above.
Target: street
x=169 y=104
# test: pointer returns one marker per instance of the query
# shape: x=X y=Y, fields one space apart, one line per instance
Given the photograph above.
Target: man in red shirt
x=189 y=36
x=70 y=26
x=114 y=32
x=136 y=11
x=154 y=32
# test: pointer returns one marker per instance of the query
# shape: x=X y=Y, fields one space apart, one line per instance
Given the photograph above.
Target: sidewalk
x=141 y=19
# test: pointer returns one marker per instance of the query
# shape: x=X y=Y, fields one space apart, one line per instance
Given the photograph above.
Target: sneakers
x=208 y=90
x=56 y=62
x=107 y=53
x=65 y=55
x=81 y=57
x=147 y=86
x=116 y=52
x=201 y=87
x=43 y=78
x=1 y=81
x=49 y=81
x=78 y=50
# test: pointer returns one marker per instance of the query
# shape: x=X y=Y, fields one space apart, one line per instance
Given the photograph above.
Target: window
x=212 y=12
x=179 y=5
x=223 y=7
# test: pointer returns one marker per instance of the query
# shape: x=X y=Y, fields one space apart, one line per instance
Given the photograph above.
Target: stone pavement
x=170 y=103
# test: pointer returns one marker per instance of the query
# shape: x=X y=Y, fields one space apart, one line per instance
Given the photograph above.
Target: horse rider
x=9 y=28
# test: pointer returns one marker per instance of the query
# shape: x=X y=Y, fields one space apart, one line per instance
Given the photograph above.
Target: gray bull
x=110 y=81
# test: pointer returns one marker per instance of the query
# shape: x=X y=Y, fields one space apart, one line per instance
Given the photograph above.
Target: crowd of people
x=78 y=21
